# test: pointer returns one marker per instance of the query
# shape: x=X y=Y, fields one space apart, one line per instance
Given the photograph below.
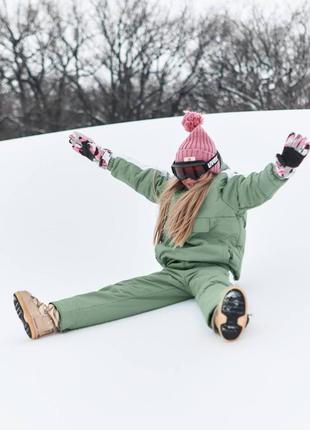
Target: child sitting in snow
x=199 y=237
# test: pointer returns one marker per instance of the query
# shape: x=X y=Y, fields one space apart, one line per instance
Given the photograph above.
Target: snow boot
x=230 y=317
x=38 y=318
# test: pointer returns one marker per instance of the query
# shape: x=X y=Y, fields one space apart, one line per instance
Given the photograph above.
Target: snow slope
x=62 y=232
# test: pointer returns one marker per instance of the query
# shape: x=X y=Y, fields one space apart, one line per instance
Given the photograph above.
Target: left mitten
x=295 y=150
x=88 y=148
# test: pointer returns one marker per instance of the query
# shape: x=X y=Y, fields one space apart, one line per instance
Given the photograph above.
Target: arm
x=246 y=192
x=148 y=182
x=242 y=192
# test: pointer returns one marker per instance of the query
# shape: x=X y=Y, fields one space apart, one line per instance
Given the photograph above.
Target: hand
x=87 y=147
x=296 y=148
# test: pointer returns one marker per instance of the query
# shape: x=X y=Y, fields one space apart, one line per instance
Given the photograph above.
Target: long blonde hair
x=179 y=222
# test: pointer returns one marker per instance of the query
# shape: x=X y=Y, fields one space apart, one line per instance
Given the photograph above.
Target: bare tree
x=261 y=64
x=23 y=63
x=72 y=53
x=127 y=60
x=33 y=70
x=148 y=60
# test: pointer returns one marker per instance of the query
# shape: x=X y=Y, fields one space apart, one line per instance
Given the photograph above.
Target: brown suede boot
x=230 y=317
x=38 y=318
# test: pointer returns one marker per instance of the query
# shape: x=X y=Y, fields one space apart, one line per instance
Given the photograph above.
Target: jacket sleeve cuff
x=271 y=182
x=110 y=164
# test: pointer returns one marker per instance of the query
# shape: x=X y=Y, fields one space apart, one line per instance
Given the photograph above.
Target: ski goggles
x=193 y=169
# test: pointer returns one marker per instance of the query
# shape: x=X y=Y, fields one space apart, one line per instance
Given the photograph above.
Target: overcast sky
x=234 y=6
x=239 y=6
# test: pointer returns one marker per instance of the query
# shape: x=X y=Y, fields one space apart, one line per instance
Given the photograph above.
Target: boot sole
x=233 y=318
x=25 y=316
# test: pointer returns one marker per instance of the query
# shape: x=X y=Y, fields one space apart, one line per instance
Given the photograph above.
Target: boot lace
x=47 y=310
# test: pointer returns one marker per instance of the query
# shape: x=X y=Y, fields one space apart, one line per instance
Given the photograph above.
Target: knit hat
x=198 y=145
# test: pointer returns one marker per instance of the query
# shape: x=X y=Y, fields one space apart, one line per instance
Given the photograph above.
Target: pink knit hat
x=198 y=145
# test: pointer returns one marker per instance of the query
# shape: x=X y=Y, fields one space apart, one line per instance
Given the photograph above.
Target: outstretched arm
x=243 y=193
x=147 y=181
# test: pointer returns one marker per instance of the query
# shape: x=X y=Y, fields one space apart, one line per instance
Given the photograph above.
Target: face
x=189 y=182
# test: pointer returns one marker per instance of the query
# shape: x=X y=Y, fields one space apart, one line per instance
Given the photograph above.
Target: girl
x=199 y=237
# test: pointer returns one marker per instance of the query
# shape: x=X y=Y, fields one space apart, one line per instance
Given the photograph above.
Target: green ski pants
x=133 y=296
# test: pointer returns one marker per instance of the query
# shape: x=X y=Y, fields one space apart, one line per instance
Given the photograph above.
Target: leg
x=224 y=305
x=123 y=299
x=207 y=285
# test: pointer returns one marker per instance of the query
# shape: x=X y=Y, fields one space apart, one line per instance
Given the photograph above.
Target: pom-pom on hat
x=198 y=145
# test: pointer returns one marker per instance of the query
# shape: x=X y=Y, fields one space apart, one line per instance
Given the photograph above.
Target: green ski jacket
x=219 y=231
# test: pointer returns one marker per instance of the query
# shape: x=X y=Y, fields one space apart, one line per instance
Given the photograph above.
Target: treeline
x=63 y=68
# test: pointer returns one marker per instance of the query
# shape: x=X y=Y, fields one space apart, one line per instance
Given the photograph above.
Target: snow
x=68 y=227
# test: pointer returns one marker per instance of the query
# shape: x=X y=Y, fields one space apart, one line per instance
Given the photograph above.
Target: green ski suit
x=199 y=269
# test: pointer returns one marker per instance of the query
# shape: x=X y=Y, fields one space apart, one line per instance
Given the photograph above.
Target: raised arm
x=147 y=181
x=242 y=192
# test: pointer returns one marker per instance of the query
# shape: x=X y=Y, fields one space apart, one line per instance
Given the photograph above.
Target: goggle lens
x=195 y=169
x=193 y=172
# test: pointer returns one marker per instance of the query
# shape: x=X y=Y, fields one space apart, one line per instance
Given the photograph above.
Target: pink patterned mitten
x=87 y=147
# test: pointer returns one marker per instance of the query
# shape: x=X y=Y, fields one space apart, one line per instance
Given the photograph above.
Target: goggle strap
x=213 y=161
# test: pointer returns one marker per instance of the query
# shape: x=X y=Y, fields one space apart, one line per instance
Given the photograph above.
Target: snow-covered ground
x=68 y=227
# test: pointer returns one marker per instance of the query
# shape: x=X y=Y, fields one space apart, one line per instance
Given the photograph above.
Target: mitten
x=295 y=150
x=87 y=147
